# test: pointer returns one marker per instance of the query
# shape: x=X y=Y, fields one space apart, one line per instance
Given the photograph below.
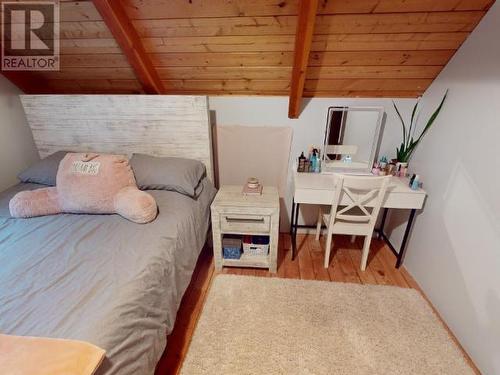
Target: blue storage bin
x=231 y=248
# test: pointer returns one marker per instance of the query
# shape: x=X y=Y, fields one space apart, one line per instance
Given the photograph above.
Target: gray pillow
x=165 y=173
x=44 y=171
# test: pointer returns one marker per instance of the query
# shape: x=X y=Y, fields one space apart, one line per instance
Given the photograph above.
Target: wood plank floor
x=308 y=265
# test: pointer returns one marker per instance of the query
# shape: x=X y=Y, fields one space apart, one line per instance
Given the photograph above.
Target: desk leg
x=382 y=223
x=402 y=249
x=293 y=231
x=297 y=205
x=292 y=227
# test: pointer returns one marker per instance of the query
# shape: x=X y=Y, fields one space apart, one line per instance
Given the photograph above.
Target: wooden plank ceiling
x=369 y=48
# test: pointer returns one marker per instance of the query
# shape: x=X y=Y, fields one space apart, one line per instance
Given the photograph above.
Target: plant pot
x=401 y=169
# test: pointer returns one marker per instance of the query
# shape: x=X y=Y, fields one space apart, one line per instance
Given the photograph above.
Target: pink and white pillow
x=89 y=183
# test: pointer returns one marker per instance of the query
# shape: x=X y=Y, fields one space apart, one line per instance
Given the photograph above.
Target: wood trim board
x=303 y=40
x=126 y=36
x=158 y=125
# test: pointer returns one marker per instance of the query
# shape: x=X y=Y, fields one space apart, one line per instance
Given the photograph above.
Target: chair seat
x=348 y=227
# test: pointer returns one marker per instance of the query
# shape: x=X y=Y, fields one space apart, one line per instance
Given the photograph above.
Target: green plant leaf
x=412 y=117
x=405 y=152
x=402 y=121
x=409 y=145
x=432 y=118
x=400 y=152
x=410 y=149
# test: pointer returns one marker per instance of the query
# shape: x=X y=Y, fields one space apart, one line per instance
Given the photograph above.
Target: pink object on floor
x=89 y=183
x=23 y=355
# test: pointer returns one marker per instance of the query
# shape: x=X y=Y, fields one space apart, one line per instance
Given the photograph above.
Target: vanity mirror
x=352 y=136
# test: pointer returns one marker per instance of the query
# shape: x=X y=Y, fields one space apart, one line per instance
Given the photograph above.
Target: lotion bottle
x=415 y=183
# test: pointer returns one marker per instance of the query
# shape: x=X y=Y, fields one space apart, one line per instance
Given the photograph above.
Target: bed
x=101 y=278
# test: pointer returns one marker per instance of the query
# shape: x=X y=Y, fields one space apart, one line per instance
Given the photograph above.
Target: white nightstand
x=235 y=213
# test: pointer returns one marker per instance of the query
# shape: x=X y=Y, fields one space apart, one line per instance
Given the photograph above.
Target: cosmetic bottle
x=302 y=163
x=411 y=180
x=314 y=160
x=317 y=168
x=416 y=183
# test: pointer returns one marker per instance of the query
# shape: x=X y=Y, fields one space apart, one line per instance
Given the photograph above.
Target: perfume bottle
x=415 y=183
x=318 y=164
x=314 y=161
x=302 y=163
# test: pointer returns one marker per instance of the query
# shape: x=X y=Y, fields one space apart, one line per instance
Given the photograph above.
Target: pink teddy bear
x=91 y=184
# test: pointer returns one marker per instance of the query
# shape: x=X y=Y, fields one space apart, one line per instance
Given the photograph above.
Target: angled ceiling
x=371 y=48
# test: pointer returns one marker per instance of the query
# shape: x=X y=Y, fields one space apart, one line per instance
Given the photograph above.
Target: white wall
x=308 y=129
x=17 y=149
x=454 y=250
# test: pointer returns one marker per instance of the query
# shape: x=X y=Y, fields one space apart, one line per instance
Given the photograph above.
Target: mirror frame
x=376 y=138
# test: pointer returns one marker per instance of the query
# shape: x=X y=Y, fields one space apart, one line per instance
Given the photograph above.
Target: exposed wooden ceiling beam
x=303 y=40
x=126 y=36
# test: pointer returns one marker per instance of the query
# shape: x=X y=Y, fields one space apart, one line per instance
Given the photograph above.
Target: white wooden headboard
x=159 y=125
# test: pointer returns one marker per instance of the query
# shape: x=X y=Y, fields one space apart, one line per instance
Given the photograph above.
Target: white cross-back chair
x=365 y=195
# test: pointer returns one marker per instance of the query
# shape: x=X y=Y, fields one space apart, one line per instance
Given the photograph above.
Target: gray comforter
x=101 y=278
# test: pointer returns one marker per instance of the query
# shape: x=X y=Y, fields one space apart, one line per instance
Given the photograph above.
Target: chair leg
x=353 y=238
x=366 y=251
x=328 y=249
x=319 y=223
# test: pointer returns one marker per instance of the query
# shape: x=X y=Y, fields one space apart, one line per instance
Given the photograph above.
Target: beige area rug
x=254 y=325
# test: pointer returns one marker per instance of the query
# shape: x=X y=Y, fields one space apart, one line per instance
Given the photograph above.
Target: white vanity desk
x=318 y=188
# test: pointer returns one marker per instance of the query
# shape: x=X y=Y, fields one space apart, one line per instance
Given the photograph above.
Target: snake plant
x=404 y=152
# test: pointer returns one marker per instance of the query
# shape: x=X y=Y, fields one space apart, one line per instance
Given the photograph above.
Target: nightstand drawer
x=235 y=223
